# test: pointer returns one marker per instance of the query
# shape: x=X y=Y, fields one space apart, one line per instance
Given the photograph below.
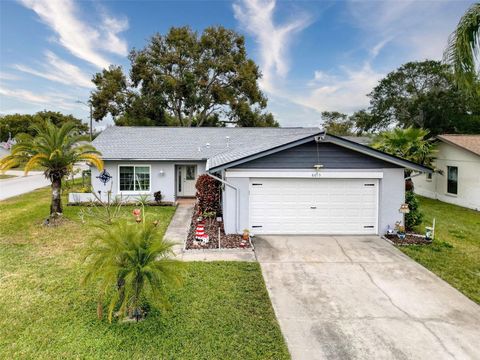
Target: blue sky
x=314 y=56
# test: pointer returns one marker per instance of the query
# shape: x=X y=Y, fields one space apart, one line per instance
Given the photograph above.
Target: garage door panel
x=313 y=206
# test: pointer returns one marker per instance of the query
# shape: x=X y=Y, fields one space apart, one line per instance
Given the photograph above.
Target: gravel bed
x=212 y=227
x=410 y=239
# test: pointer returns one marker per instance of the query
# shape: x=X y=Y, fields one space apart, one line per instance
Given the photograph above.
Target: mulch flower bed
x=212 y=226
x=410 y=239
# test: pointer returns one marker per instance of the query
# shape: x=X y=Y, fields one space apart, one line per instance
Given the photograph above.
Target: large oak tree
x=422 y=95
x=187 y=79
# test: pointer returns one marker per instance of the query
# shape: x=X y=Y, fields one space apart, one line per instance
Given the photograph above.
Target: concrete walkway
x=177 y=232
x=21 y=184
x=178 y=228
x=358 y=297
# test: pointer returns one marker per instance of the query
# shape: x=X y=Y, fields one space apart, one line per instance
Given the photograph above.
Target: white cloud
x=420 y=28
x=8 y=76
x=25 y=95
x=345 y=92
x=58 y=70
x=257 y=17
x=81 y=39
x=44 y=100
x=343 y=89
x=110 y=28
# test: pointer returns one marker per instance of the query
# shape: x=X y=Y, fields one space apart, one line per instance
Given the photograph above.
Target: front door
x=186 y=177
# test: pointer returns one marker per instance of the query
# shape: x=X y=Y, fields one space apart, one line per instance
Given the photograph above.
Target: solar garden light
x=404 y=209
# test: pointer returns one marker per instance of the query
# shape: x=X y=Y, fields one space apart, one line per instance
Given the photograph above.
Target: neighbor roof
x=467 y=142
x=364 y=140
x=174 y=143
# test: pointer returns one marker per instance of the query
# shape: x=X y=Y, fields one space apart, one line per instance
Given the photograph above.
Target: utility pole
x=89 y=104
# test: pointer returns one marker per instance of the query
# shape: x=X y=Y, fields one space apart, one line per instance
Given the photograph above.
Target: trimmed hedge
x=414 y=217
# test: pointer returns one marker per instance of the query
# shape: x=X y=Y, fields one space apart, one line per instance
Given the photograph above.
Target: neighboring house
x=457 y=172
x=276 y=180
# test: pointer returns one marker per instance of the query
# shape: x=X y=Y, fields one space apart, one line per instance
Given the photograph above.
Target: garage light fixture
x=317 y=168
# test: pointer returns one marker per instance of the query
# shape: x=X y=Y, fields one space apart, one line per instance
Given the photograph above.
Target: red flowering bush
x=208 y=194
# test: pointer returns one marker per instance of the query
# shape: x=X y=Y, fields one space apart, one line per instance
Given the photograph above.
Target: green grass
x=6 y=176
x=455 y=253
x=222 y=311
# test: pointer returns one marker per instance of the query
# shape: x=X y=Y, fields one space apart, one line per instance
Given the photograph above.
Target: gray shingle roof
x=363 y=140
x=173 y=143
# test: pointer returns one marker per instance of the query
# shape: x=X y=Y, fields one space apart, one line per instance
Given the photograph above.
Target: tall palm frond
x=409 y=143
x=464 y=48
x=57 y=150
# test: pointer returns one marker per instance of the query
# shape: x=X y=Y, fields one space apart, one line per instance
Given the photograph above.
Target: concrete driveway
x=358 y=297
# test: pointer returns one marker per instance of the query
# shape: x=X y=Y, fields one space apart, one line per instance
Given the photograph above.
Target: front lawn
x=455 y=253
x=222 y=312
x=6 y=176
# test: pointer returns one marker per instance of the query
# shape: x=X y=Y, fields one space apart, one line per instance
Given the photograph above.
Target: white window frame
x=134 y=192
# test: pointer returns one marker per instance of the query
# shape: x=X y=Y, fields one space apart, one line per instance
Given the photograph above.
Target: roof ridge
x=215 y=127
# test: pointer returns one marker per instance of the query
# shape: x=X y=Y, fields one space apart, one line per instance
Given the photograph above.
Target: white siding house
x=275 y=180
x=457 y=176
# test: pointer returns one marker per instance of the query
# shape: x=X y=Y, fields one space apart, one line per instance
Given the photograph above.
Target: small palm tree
x=55 y=149
x=464 y=48
x=133 y=264
x=410 y=144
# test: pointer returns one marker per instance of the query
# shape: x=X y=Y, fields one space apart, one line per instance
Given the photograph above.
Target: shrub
x=133 y=267
x=208 y=194
x=102 y=210
x=157 y=196
x=414 y=217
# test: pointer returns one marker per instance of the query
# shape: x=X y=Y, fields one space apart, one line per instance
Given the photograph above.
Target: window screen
x=134 y=178
x=452 y=179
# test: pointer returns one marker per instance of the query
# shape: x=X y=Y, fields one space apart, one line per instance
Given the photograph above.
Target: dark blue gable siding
x=307 y=155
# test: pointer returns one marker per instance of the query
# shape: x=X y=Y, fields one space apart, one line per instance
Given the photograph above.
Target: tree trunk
x=56 y=205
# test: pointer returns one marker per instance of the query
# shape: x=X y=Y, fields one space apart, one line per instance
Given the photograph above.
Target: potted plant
x=157 y=195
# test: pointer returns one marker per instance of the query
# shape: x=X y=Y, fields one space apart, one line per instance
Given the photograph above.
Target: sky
x=314 y=55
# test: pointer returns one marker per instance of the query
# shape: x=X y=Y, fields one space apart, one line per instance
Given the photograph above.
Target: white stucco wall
x=166 y=183
x=391 y=196
x=468 y=191
x=230 y=205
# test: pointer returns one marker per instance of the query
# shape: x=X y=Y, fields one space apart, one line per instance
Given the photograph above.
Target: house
x=457 y=172
x=275 y=180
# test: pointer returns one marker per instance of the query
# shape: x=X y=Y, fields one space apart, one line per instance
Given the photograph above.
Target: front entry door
x=186 y=177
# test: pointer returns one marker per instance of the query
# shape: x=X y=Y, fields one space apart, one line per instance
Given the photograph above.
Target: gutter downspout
x=237 y=199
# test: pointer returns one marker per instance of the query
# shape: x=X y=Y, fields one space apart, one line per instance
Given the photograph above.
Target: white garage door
x=313 y=206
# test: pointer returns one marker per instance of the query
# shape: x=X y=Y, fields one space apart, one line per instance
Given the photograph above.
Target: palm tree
x=56 y=150
x=132 y=263
x=463 y=50
x=410 y=144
